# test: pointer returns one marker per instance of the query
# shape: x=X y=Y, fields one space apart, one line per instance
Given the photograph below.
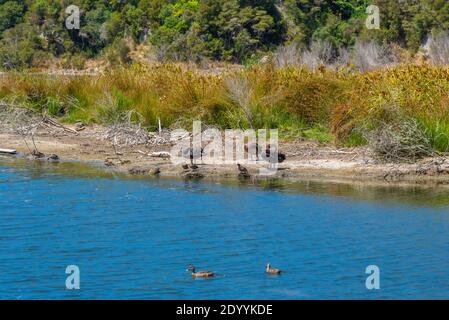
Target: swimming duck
x=200 y=274
x=270 y=270
x=243 y=171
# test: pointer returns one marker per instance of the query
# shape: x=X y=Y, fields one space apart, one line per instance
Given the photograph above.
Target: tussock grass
x=326 y=105
x=395 y=137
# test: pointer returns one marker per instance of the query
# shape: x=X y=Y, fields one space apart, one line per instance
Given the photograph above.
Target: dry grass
x=438 y=49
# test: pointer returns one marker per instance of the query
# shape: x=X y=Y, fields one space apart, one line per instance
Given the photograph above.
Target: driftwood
x=51 y=122
x=162 y=154
x=8 y=151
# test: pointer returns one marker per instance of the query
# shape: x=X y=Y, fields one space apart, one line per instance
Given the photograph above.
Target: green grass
x=319 y=133
x=438 y=132
x=355 y=139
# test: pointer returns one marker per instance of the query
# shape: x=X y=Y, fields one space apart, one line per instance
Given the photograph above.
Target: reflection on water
x=133 y=238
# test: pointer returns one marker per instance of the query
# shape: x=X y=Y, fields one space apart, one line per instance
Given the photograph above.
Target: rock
x=109 y=163
x=193 y=175
x=144 y=172
x=432 y=168
x=79 y=126
x=137 y=171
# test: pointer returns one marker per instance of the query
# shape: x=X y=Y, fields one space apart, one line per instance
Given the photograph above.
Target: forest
x=33 y=32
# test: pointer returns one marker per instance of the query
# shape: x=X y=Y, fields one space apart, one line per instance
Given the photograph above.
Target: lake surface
x=134 y=238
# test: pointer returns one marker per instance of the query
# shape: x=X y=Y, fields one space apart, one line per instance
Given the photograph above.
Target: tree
x=11 y=12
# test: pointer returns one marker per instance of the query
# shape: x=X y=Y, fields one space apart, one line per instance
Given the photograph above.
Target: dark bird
x=193 y=154
x=281 y=156
x=53 y=157
x=267 y=154
x=243 y=171
x=200 y=274
x=270 y=270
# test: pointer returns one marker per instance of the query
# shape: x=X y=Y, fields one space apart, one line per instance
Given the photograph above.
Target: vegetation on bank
x=312 y=68
x=404 y=107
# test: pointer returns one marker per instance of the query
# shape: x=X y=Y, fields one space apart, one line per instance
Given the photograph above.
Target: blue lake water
x=134 y=238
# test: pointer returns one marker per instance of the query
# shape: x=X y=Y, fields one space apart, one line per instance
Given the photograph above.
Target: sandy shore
x=305 y=159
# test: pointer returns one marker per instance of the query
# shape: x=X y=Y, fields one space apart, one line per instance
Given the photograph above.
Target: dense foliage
x=33 y=31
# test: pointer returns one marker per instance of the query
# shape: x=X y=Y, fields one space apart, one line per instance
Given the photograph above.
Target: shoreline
x=306 y=160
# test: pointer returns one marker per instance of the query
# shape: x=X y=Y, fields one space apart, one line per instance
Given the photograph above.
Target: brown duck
x=200 y=274
x=270 y=270
x=243 y=172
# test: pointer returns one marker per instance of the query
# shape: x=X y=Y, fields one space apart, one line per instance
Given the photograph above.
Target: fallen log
x=8 y=151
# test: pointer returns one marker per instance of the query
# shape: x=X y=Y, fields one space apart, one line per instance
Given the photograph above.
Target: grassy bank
x=405 y=103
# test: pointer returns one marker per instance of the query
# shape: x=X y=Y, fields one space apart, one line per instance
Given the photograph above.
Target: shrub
x=288 y=55
x=438 y=49
x=54 y=106
x=370 y=55
x=394 y=137
x=239 y=91
x=320 y=53
x=118 y=53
